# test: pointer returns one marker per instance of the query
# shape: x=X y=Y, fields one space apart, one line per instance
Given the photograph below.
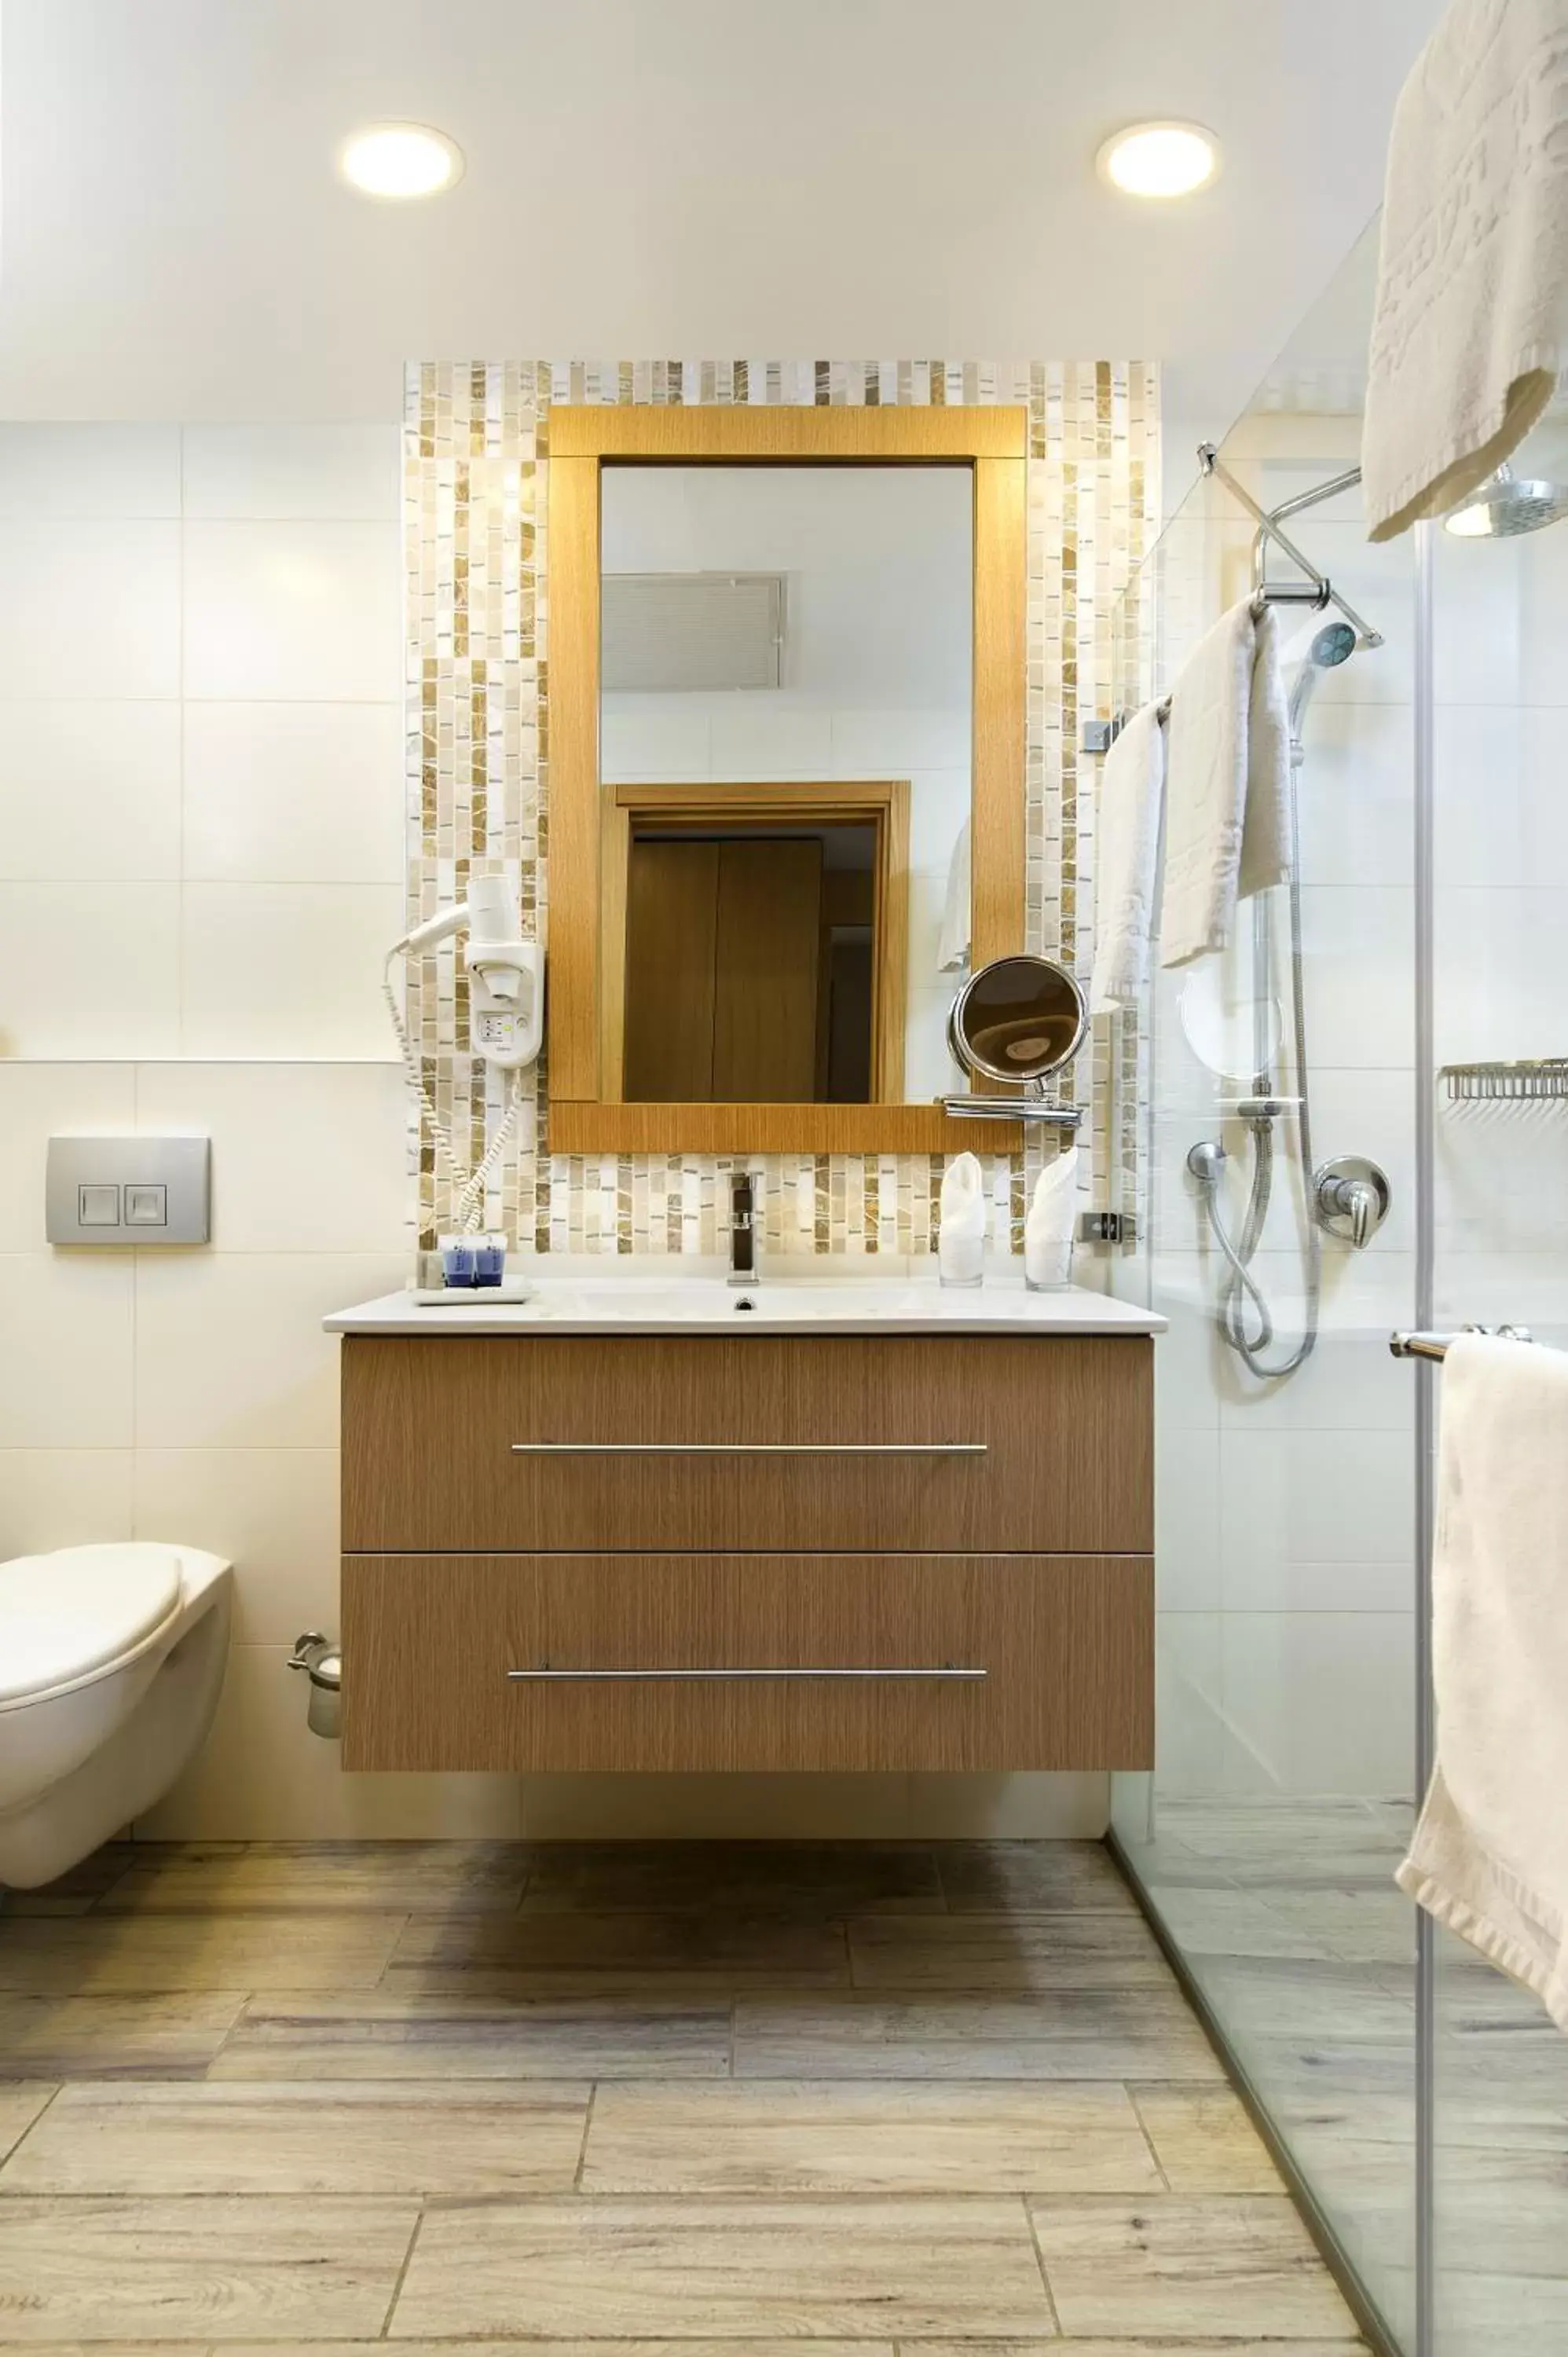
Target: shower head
x=1506 y=504
x=1333 y=645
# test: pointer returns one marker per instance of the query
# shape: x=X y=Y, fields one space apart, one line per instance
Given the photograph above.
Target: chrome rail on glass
x=1437 y=1346
x=1322 y=591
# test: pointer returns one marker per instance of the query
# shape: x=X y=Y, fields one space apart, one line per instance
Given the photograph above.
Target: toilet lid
x=66 y=1614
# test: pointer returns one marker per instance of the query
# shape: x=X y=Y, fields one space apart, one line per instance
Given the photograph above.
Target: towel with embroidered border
x=1470 y=326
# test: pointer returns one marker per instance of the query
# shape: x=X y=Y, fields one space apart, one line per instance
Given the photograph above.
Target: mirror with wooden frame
x=785 y=760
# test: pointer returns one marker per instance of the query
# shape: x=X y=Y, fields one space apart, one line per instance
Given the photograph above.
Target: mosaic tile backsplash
x=477 y=440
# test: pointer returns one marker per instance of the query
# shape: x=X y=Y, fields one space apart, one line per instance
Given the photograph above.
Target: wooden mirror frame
x=993 y=443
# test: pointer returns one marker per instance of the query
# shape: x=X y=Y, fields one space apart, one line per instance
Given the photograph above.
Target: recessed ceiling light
x=1160 y=159
x=400 y=159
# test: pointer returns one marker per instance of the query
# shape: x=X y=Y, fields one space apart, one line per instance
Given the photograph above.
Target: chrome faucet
x=743 y=1269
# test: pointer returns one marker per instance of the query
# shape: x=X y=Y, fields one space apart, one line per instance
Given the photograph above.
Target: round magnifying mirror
x=1018 y=1018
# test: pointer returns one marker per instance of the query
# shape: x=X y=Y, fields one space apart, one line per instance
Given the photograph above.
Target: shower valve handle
x=1352 y=1198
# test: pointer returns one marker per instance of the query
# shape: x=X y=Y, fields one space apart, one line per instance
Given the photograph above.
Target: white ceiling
x=861 y=178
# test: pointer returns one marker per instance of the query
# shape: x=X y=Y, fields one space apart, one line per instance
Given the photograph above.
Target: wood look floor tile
x=1076 y=2034
x=21 y=2101
x=862 y=2270
x=717 y=1950
x=1170 y=2266
x=786 y=2137
x=325 y=2138
x=1024 y=1876
x=85 y=1954
x=1006 y=1952
x=1079 y=2348
x=1205 y=2142
x=208 y=2269
x=171 y=2035
x=813 y=1879
x=381 y=2035
x=74 y=1892
x=720 y=2347
x=445 y=1877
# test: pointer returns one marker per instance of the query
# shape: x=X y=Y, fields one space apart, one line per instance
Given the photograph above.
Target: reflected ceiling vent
x=691 y=630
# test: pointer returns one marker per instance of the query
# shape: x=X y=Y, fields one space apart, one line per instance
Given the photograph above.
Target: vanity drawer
x=1065 y=1643
x=1033 y=1445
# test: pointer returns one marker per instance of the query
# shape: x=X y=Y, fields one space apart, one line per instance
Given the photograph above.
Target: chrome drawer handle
x=748 y=1448
x=536 y=1677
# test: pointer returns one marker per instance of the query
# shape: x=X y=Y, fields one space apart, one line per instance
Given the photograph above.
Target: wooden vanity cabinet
x=763 y=1552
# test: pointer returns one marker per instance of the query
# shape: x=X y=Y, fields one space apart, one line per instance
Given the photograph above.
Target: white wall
x=200 y=865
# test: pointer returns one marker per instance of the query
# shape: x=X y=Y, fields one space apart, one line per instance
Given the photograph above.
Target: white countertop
x=851 y=1304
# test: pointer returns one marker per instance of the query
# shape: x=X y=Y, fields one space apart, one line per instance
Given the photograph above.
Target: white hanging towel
x=1489 y=1857
x=1126 y=854
x=1472 y=302
x=1228 y=783
x=952 y=941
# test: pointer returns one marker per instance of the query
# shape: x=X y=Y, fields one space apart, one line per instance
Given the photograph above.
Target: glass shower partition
x=1417 y=2098
x=1266 y=1840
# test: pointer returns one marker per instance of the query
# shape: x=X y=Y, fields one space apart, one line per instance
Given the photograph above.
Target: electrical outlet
x=1106 y=1228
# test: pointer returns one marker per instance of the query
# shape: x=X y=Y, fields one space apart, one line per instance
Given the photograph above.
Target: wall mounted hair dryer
x=506 y=974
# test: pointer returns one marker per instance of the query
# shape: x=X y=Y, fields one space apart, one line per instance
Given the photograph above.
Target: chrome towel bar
x=749 y=1447
x=547 y=1677
x=1435 y=1346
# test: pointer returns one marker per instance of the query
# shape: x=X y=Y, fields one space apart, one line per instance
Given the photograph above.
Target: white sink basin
x=706 y=1304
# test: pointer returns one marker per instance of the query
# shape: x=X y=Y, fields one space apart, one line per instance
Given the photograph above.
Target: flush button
x=98 y=1207
x=146 y=1207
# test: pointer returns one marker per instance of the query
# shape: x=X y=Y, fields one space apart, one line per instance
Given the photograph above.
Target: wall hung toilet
x=110 y=1662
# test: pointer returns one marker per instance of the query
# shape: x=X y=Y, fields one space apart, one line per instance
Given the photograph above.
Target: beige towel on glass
x=1489 y=1857
x=1228 y=783
x=1126 y=859
x=1467 y=335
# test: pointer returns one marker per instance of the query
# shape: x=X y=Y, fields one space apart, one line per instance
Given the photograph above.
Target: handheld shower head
x=1333 y=645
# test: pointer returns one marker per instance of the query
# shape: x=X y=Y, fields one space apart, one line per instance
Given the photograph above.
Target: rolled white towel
x=961 y=1236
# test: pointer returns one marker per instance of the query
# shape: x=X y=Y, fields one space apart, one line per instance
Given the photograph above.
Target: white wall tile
x=287 y=969
x=296 y=612
x=307 y=1157
x=939 y=805
x=38 y=1102
x=294 y=794
x=65 y=1366
x=88 y=790
x=89 y=472
x=1309 y=1497
x=62 y=1497
x=1359 y=954
x=230 y=1350
x=1324 y=1701
x=272 y=1511
x=750 y=737
x=89 y=969
x=644 y=737
x=896 y=743
x=1186 y=1521
x=262 y=1776
x=328 y=473
x=90 y=608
